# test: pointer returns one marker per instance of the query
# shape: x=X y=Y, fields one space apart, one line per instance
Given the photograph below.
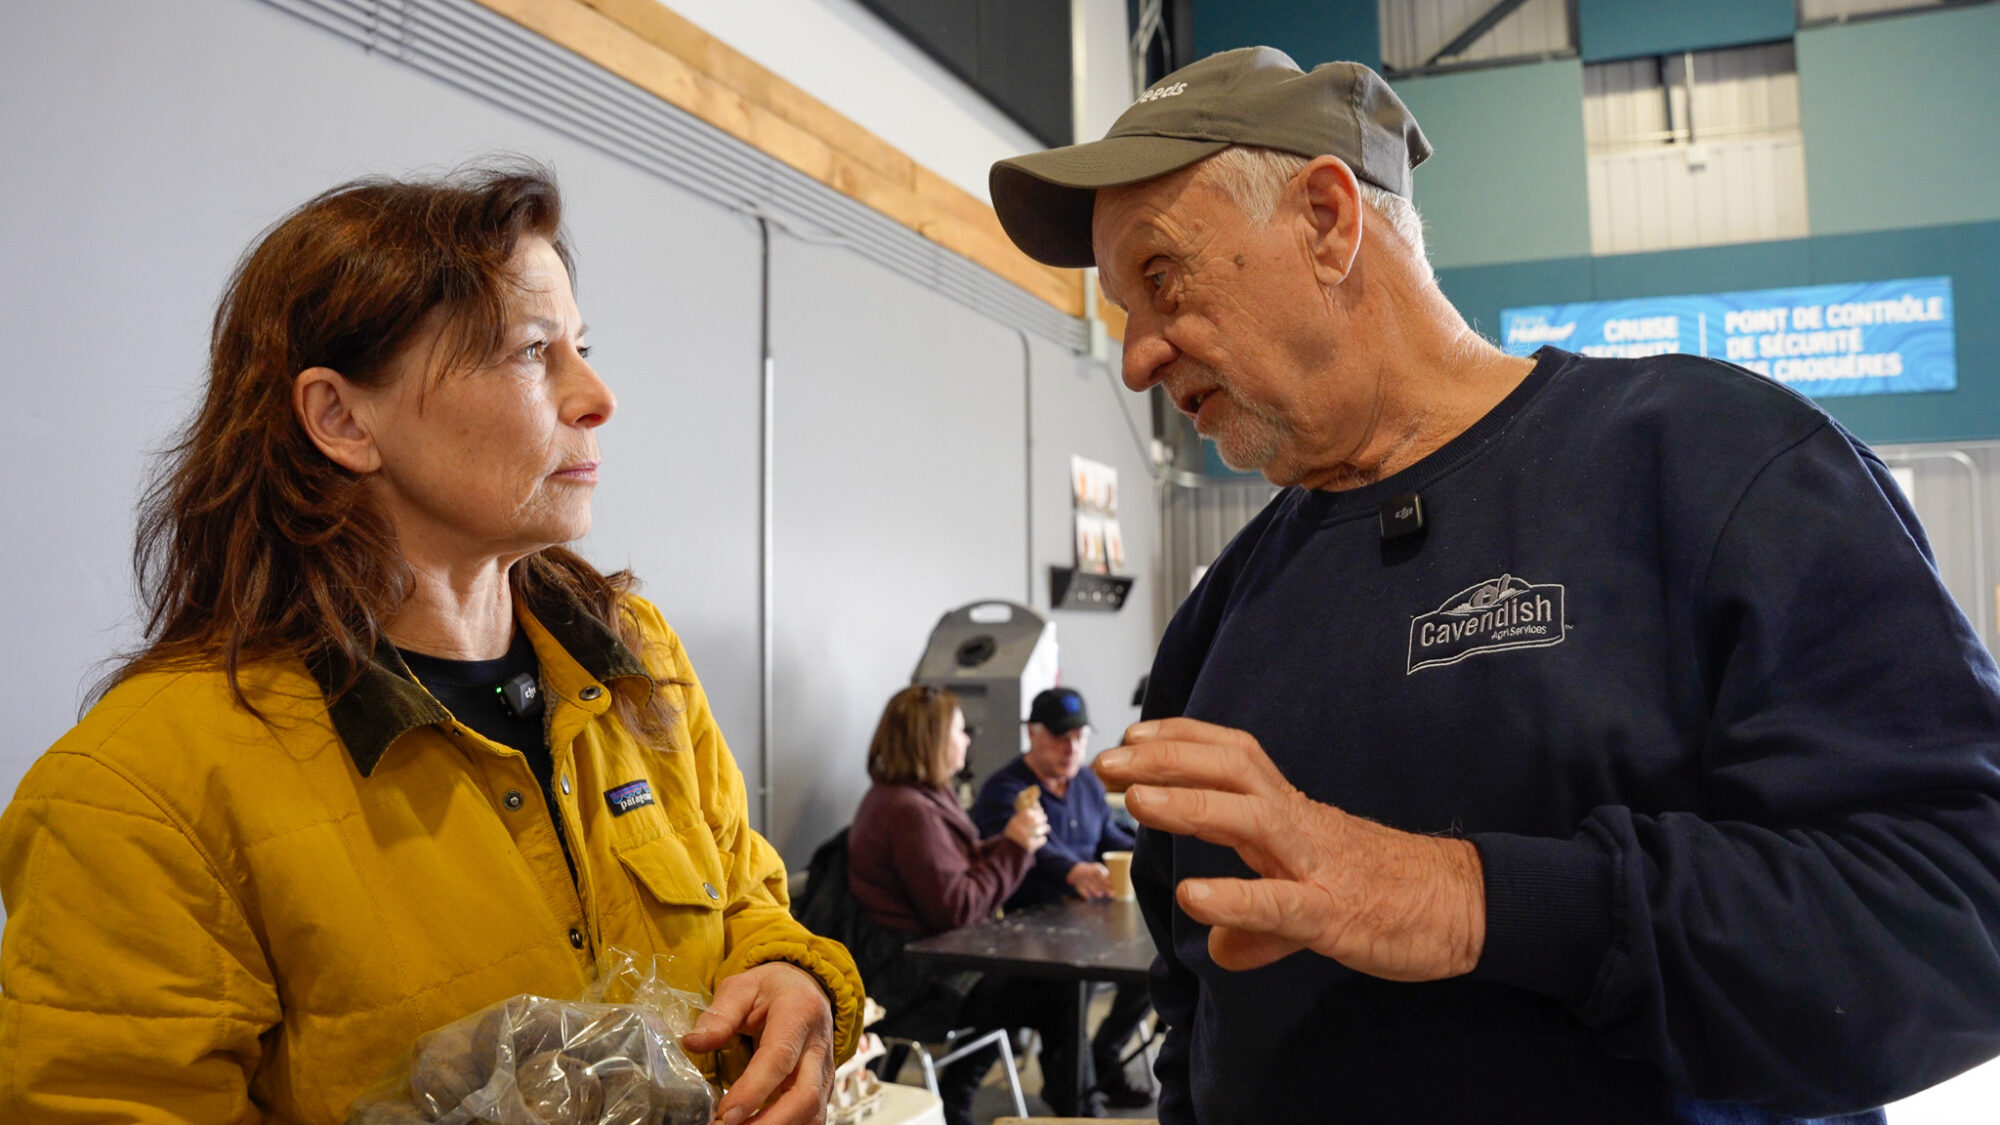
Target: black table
x=1067 y=940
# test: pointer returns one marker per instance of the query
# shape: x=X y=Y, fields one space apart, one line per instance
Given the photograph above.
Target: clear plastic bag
x=612 y=1057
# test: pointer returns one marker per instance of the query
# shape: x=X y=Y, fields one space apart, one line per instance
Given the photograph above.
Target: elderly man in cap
x=1571 y=740
x=1081 y=830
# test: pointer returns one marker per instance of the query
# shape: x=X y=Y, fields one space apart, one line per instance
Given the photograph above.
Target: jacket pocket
x=665 y=869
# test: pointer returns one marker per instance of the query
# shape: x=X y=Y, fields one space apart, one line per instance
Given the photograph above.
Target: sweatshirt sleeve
x=132 y=987
x=1170 y=983
x=1822 y=939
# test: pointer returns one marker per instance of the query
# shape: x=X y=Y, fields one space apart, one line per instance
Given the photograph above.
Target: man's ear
x=329 y=407
x=1333 y=196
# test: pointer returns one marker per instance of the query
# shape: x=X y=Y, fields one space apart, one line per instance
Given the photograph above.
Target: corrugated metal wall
x=1198 y=517
x=1674 y=163
x=1414 y=30
x=1955 y=489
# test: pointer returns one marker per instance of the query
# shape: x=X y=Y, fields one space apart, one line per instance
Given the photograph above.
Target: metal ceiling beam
x=1487 y=21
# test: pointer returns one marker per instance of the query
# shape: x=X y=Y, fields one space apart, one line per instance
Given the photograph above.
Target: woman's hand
x=1029 y=828
x=785 y=1011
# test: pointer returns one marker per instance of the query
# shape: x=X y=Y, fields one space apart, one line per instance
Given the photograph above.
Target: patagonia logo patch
x=1494 y=616
x=629 y=796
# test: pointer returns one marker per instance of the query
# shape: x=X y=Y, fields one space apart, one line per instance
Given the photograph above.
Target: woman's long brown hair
x=252 y=544
x=909 y=743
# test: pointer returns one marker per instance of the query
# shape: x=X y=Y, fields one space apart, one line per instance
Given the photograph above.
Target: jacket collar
x=386 y=702
x=954 y=813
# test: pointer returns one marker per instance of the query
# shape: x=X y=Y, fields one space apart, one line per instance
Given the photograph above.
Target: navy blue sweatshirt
x=1673 y=654
x=1081 y=828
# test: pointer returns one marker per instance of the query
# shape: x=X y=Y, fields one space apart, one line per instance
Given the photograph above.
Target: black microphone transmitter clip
x=1402 y=517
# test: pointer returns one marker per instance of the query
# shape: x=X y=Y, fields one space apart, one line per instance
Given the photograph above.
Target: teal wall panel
x=1480 y=292
x=1900 y=121
x=1746 y=265
x=1311 y=31
x=1623 y=29
x=1508 y=181
x=1968 y=253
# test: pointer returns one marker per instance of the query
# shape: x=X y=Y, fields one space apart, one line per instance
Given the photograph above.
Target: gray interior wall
x=899 y=488
x=904 y=470
x=152 y=142
x=1077 y=409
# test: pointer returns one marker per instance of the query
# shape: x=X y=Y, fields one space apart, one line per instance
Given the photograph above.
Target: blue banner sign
x=1865 y=338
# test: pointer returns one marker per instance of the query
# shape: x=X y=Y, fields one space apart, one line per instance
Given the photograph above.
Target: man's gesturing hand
x=1387 y=903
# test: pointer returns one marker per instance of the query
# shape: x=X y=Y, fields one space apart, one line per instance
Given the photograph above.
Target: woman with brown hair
x=916 y=865
x=391 y=753
x=915 y=862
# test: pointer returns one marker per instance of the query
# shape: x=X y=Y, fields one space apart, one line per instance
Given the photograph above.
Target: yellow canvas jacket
x=212 y=918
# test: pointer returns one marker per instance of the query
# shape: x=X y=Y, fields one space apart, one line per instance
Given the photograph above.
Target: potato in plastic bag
x=610 y=1058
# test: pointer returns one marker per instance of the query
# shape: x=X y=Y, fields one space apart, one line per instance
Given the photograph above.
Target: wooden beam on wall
x=662 y=53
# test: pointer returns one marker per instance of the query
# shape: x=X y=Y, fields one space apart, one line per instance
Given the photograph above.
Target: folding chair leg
x=958 y=1052
x=1013 y=1074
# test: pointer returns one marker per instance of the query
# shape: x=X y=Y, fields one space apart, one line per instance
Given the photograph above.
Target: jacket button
x=576 y=937
x=513 y=798
x=565 y=785
x=709 y=889
x=591 y=692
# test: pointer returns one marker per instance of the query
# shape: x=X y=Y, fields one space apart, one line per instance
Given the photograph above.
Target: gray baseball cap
x=1249 y=96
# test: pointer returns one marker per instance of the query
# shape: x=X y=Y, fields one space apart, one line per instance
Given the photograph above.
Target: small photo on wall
x=1090 y=543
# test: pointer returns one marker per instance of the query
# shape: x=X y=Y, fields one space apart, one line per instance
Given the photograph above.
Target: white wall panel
x=1745 y=88
x=1414 y=30
x=1674 y=164
x=1624 y=103
x=1824 y=11
x=1736 y=92
x=1708 y=194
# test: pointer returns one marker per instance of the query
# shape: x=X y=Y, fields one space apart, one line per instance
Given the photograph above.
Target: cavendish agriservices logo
x=1493 y=616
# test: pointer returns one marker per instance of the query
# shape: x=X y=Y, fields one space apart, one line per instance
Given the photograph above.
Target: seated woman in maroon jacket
x=914 y=860
x=917 y=865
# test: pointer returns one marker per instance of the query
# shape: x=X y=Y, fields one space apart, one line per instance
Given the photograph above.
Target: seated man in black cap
x=1081 y=830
